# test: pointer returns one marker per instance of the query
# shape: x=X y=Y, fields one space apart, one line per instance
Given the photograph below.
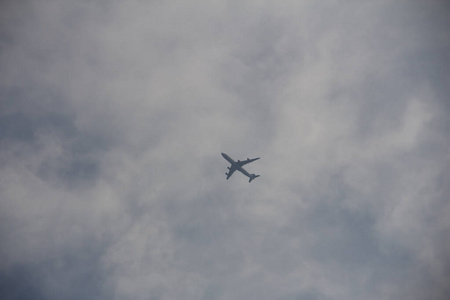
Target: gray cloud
x=113 y=117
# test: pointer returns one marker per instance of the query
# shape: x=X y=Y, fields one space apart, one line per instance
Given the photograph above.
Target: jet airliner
x=237 y=165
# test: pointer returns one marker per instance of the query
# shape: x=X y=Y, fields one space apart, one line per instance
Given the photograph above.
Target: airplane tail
x=252 y=176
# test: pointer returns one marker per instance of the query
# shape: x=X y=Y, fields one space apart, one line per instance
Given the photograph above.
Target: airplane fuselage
x=237 y=166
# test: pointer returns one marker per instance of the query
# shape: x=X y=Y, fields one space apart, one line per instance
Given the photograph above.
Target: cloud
x=113 y=117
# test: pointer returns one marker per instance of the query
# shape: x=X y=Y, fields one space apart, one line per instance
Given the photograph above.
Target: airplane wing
x=230 y=172
x=247 y=161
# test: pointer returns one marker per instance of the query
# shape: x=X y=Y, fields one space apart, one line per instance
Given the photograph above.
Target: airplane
x=237 y=165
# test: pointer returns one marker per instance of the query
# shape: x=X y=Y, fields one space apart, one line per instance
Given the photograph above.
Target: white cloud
x=115 y=114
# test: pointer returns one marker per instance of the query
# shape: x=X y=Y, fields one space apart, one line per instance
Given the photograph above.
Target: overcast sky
x=113 y=115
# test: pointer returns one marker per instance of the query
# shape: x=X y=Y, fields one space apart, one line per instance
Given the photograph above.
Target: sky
x=113 y=115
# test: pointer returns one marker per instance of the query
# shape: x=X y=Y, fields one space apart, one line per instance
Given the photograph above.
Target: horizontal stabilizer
x=252 y=176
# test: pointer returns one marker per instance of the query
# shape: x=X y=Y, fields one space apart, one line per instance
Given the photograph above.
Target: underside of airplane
x=237 y=165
